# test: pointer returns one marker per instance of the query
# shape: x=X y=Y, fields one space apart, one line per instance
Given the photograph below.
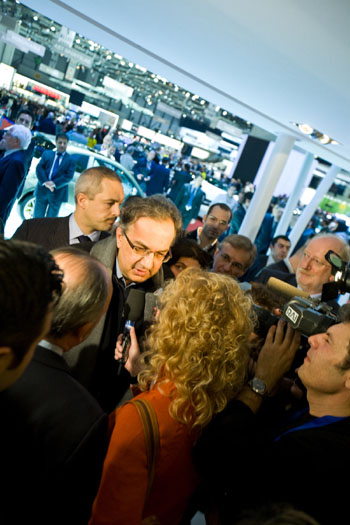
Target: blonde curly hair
x=200 y=343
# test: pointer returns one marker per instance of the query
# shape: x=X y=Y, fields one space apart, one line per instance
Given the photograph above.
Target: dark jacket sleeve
x=11 y=182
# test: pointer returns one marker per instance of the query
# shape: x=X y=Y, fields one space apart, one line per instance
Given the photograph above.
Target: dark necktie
x=84 y=238
x=55 y=166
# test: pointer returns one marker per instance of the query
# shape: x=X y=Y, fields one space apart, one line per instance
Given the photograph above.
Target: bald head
x=313 y=271
x=86 y=295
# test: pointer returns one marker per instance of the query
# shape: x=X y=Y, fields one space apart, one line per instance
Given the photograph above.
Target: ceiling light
x=78 y=40
x=306 y=128
x=35 y=18
x=324 y=139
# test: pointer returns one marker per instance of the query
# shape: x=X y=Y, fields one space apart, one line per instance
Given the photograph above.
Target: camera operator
x=300 y=460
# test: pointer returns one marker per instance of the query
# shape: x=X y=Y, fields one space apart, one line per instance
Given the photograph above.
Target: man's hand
x=50 y=185
x=277 y=354
x=132 y=354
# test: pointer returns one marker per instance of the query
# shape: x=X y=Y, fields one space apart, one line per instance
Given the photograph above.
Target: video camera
x=308 y=316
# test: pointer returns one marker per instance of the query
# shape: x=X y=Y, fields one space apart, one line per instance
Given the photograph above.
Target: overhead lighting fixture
x=306 y=128
x=323 y=138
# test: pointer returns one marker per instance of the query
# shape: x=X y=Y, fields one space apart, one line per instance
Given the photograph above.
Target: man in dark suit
x=146 y=230
x=98 y=196
x=181 y=176
x=13 y=167
x=54 y=171
x=215 y=223
x=29 y=283
x=190 y=199
x=157 y=178
x=55 y=433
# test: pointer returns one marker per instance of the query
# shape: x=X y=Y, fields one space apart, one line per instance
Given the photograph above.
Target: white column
x=284 y=222
x=263 y=194
x=308 y=212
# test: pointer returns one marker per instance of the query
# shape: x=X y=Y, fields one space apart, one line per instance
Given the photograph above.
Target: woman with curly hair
x=194 y=363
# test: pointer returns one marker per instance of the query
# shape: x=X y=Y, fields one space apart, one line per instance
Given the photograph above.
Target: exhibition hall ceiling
x=274 y=64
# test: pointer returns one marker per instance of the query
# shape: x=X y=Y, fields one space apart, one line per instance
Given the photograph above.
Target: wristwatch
x=258 y=386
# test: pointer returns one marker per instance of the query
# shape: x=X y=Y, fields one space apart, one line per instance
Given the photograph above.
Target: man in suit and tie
x=146 y=230
x=190 y=199
x=98 y=196
x=13 y=167
x=54 y=171
x=56 y=433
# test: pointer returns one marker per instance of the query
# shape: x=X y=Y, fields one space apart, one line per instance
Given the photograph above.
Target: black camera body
x=308 y=316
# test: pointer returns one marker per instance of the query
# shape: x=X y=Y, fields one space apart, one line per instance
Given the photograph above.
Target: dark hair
x=221 y=205
x=275 y=239
x=155 y=207
x=26 y=111
x=62 y=136
x=248 y=195
x=85 y=292
x=189 y=248
x=29 y=281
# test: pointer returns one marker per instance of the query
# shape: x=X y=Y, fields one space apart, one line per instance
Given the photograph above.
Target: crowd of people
x=115 y=417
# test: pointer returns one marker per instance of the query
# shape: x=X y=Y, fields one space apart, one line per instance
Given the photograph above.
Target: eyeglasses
x=234 y=264
x=215 y=220
x=313 y=260
x=145 y=252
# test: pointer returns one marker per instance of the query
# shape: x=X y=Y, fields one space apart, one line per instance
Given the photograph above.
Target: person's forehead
x=282 y=242
x=319 y=247
x=340 y=334
x=111 y=188
x=236 y=254
x=219 y=213
x=25 y=116
x=156 y=235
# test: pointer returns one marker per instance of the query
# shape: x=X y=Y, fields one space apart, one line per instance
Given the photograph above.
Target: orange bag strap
x=151 y=430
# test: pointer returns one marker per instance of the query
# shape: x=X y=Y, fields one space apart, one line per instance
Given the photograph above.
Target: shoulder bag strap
x=151 y=431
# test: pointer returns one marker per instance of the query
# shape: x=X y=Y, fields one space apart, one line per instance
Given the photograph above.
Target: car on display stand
x=85 y=158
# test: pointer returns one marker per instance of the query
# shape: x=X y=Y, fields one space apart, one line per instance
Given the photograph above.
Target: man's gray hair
x=241 y=242
x=22 y=134
x=85 y=291
x=344 y=251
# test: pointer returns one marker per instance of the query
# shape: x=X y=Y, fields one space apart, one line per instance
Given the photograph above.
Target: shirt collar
x=50 y=346
x=9 y=151
x=75 y=232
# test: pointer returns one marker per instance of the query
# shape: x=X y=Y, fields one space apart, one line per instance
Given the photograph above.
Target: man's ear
x=204 y=218
x=118 y=234
x=347 y=380
x=6 y=358
x=82 y=200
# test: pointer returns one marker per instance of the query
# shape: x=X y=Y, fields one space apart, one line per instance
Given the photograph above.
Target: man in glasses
x=145 y=233
x=313 y=271
x=234 y=256
x=215 y=223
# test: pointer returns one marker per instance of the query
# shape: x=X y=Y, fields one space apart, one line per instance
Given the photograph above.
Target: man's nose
x=147 y=261
x=116 y=209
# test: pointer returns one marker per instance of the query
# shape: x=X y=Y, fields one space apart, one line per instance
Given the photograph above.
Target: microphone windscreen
x=150 y=304
x=134 y=305
x=285 y=289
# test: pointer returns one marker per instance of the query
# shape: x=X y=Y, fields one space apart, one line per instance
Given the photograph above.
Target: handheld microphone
x=285 y=289
x=133 y=311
